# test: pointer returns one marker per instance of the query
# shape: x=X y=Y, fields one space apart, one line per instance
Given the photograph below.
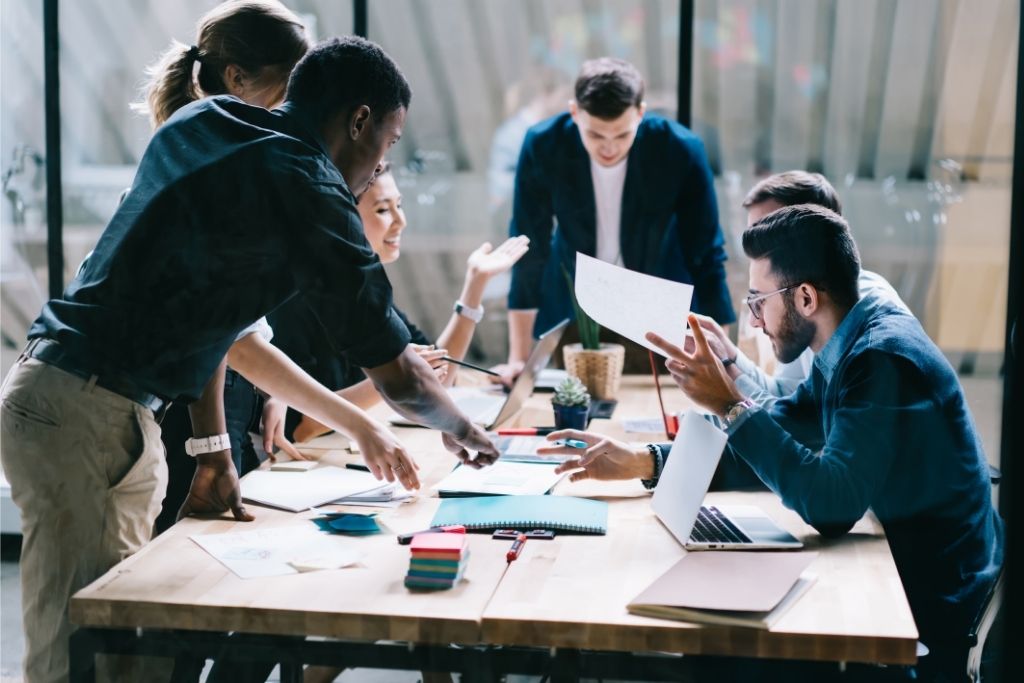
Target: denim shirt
x=882 y=424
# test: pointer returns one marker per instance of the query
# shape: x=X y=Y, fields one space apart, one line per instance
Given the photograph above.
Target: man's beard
x=794 y=334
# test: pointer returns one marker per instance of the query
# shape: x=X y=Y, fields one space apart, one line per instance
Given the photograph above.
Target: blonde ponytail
x=170 y=85
x=250 y=34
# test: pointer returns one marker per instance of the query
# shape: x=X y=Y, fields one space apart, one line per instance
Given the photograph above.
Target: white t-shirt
x=608 y=184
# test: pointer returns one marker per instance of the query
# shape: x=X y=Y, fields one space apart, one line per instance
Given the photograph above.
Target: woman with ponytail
x=245 y=48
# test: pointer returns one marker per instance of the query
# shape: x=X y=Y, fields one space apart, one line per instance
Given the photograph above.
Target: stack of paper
x=437 y=560
x=387 y=496
x=500 y=479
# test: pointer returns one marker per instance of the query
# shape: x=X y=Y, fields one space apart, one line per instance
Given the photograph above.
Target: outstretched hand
x=215 y=488
x=700 y=374
x=604 y=458
x=487 y=261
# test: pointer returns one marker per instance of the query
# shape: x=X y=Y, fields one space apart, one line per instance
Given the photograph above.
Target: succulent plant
x=571 y=392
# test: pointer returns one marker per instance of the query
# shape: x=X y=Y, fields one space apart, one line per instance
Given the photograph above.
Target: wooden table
x=569 y=594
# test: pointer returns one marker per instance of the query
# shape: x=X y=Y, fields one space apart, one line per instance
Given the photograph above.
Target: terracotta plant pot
x=570 y=417
x=600 y=370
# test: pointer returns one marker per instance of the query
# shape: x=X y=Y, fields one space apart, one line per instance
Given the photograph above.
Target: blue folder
x=563 y=513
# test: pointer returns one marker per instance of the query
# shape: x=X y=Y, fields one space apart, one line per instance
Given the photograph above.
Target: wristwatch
x=474 y=314
x=208 y=444
x=735 y=411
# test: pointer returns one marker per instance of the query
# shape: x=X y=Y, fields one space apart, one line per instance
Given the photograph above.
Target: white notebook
x=500 y=479
x=297 y=491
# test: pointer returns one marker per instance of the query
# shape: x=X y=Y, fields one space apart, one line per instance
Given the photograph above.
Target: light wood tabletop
x=568 y=592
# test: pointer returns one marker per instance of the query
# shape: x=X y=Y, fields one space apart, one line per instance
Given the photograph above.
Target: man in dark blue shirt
x=622 y=185
x=880 y=424
x=234 y=210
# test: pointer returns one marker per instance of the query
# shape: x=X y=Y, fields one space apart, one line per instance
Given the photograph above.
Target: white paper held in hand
x=632 y=303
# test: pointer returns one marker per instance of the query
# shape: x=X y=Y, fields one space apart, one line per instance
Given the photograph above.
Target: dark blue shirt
x=298 y=333
x=882 y=423
x=234 y=210
x=669 y=220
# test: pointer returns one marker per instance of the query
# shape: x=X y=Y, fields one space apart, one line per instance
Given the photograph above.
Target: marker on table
x=526 y=431
x=406 y=539
x=470 y=365
x=516 y=549
x=571 y=443
x=356 y=466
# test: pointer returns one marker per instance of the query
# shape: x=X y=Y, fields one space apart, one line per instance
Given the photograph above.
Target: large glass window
x=908 y=109
x=482 y=73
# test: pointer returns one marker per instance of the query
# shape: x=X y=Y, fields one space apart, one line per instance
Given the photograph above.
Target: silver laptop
x=681 y=489
x=489 y=409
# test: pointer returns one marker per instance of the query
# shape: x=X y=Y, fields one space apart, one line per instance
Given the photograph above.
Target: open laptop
x=681 y=489
x=489 y=409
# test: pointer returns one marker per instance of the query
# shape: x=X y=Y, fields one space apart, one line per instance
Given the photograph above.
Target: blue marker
x=572 y=443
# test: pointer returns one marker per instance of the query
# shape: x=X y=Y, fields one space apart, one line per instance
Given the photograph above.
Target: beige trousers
x=87 y=471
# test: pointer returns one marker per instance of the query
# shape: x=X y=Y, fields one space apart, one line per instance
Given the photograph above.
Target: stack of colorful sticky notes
x=438 y=560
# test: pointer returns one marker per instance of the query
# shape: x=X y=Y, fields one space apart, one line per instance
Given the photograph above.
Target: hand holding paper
x=632 y=303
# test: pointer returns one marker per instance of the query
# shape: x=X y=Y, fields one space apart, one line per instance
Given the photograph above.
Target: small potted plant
x=598 y=365
x=571 y=403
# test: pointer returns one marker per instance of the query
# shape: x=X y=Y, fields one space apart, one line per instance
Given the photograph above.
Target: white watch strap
x=474 y=314
x=208 y=444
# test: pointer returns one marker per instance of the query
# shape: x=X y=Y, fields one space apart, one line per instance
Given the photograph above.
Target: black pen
x=470 y=365
x=356 y=466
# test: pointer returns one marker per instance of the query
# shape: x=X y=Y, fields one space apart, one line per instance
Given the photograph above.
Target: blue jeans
x=243 y=409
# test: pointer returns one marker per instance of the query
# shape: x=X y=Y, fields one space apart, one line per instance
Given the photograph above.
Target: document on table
x=500 y=479
x=643 y=425
x=297 y=491
x=278 y=551
x=632 y=303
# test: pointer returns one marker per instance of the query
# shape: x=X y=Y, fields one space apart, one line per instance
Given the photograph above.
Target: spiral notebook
x=562 y=513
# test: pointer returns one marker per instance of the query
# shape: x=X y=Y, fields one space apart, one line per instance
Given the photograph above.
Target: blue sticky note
x=348 y=523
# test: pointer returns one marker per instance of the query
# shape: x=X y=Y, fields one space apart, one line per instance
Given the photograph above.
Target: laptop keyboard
x=714 y=527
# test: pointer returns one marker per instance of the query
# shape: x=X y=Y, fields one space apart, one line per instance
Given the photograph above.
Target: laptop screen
x=522 y=388
x=687 y=475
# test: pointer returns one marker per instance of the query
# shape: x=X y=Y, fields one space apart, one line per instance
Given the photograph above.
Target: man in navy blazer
x=627 y=187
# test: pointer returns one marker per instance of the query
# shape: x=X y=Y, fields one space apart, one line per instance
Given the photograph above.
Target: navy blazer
x=669 y=216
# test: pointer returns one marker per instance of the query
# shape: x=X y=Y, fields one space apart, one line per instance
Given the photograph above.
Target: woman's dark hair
x=254 y=35
x=808 y=243
x=795 y=187
x=341 y=74
x=607 y=87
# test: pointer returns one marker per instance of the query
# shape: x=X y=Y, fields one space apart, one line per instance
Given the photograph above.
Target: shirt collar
x=845 y=335
x=305 y=128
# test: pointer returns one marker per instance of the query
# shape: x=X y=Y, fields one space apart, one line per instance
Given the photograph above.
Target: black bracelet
x=658 y=462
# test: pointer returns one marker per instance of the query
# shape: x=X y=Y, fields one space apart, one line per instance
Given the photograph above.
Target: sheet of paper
x=632 y=303
x=279 y=551
x=644 y=425
x=387 y=496
x=297 y=491
x=502 y=478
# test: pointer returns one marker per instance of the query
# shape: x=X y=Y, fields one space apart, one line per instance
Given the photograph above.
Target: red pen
x=516 y=549
x=525 y=431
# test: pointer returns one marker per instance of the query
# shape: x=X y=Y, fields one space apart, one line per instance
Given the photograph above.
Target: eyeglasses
x=756 y=302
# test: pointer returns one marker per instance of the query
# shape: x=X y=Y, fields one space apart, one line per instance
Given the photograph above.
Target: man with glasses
x=880 y=424
x=771 y=194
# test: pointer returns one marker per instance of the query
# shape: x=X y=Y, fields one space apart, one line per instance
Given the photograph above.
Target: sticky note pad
x=445 y=544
